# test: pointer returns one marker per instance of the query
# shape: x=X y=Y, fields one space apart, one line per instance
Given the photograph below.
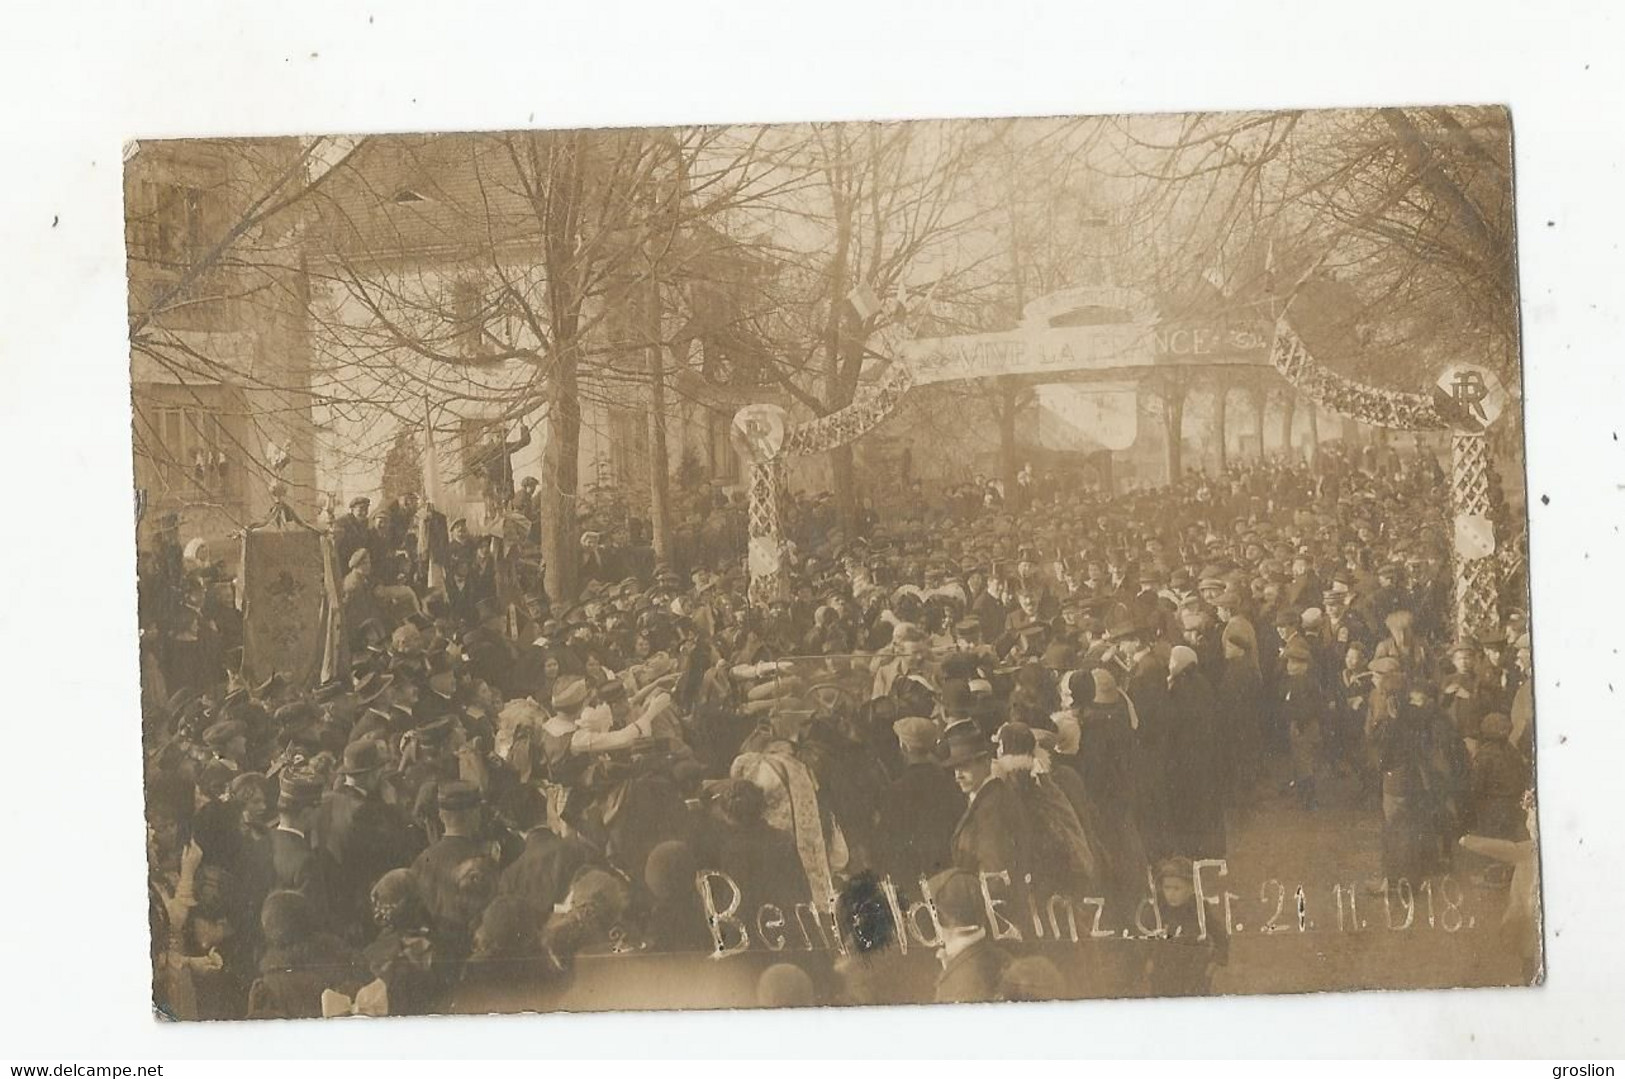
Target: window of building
x=469 y=313
x=171 y=226
x=193 y=454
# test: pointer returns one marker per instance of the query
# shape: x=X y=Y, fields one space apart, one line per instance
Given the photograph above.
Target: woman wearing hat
x=1105 y=760
x=1065 y=852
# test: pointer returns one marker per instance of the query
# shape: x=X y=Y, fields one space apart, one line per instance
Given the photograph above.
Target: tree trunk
x=1219 y=433
x=1173 y=423
x=563 y=163
x=1289 y=401
x=843 y=476
x=560 y=544
x=1260 y=400
x=659 y=467
x=1311 y=446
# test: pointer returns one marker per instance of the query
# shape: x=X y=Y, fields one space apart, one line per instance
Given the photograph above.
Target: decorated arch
x=1121 y=338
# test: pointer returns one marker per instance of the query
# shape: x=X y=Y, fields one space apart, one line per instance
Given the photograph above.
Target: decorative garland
x=848 y=424
x=1368 y=404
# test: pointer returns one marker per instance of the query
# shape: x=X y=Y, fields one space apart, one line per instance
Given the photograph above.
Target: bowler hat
x=964 y=746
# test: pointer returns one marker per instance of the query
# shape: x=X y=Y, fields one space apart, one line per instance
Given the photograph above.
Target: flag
x=436 y=574
x=285 y=593
x=431 y=458
x=863 y=301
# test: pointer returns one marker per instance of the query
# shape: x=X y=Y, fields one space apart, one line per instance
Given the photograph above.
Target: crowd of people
x=1076 y=694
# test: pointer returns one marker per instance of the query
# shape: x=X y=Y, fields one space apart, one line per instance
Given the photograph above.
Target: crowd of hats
x=1074 y=576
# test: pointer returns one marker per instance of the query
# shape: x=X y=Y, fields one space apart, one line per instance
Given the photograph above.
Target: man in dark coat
x=287 y=860
x=761 y=860
x=350 y=531
x=1195 y=788
x=553 y=852
x=1300 y=706
x=437 y=871
x=991 y=834
x=491 y=656
x=919 y=810
x=989 y=611
x=365 y=836
x=493 y=461
x=1147 y=688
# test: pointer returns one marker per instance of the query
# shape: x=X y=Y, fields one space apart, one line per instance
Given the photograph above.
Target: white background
x=79 y=79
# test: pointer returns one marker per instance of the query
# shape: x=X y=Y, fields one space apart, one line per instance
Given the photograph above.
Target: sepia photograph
x=831 y=563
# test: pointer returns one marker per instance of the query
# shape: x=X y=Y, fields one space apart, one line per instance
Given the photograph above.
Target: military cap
x=1384 y=665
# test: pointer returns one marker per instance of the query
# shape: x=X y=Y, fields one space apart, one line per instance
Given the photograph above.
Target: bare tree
x=532 y=274
x=214 y=234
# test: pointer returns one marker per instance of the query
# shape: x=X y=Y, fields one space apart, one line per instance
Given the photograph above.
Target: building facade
x=220 y=342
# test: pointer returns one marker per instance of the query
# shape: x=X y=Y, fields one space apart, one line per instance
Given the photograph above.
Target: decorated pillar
x=1477 y=574
x=1466 y=400
x=758 y=437
x=765 y=554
